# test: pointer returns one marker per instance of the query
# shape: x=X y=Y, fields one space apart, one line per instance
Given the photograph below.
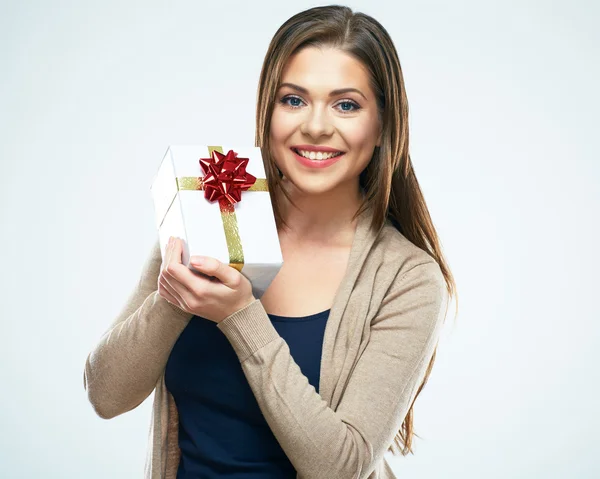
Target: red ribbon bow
x=225 y=177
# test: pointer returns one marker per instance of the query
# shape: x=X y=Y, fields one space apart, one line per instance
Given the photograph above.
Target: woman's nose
x=317 y=123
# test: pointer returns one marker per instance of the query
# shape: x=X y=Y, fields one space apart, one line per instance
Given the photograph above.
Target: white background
x=503 y=115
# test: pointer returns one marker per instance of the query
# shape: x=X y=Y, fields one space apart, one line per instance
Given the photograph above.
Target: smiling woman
x=332 y=80
x=318 y=377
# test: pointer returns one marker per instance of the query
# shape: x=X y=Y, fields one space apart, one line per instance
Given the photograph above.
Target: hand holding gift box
x=213 y=300
x=220 y=207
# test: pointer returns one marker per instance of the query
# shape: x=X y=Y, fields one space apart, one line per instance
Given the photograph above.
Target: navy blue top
x=222 y=431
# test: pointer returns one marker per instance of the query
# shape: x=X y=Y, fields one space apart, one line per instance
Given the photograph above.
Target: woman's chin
x=299 y=185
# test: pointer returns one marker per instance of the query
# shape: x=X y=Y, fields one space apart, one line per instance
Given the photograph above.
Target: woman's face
x=308 y=113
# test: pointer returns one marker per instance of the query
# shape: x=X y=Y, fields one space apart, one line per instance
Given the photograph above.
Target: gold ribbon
x=230 y=225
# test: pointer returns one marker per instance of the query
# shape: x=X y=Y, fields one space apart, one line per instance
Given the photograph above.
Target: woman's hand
x=212 y=298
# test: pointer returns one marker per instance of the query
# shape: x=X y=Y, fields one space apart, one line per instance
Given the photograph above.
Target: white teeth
x=317 y=155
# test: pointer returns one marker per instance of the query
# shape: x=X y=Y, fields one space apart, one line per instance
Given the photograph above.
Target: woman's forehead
x=322 y=70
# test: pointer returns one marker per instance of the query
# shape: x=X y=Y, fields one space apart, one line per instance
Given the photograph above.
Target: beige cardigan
x=384 y=324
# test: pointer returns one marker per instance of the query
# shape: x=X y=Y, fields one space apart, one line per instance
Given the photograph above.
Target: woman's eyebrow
x=332 y=93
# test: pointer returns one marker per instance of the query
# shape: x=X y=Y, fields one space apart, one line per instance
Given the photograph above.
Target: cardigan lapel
x=338 y=343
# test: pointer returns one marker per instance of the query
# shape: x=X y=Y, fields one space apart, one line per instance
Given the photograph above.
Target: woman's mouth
x=316 y=159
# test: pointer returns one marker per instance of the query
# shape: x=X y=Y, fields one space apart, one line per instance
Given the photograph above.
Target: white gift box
x=189 y=215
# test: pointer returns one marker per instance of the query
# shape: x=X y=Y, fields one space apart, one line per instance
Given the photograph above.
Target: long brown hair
x=389 y=182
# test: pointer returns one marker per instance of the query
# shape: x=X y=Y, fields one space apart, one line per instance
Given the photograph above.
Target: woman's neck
x=322 y=219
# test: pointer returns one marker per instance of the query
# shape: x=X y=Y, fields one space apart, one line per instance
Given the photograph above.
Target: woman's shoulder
x=396 y=250
x=408 y=265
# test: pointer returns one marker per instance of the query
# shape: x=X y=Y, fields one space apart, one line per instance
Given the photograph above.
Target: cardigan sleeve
x=125 y=365
x=350 y=441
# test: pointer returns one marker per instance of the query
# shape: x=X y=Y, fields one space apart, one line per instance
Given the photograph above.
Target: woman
x=318 y=377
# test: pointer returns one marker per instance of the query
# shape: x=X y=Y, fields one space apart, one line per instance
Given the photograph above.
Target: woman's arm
x=350 y=441
x=123 y=368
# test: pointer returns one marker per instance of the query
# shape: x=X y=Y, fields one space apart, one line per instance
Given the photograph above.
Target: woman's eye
x=285 y=99
x=350 y=104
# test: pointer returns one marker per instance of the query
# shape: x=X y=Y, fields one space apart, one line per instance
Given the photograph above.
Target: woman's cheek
x=363 y=133
x=282 y=125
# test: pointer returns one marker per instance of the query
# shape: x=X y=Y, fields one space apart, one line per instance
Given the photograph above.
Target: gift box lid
x=184 y=161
